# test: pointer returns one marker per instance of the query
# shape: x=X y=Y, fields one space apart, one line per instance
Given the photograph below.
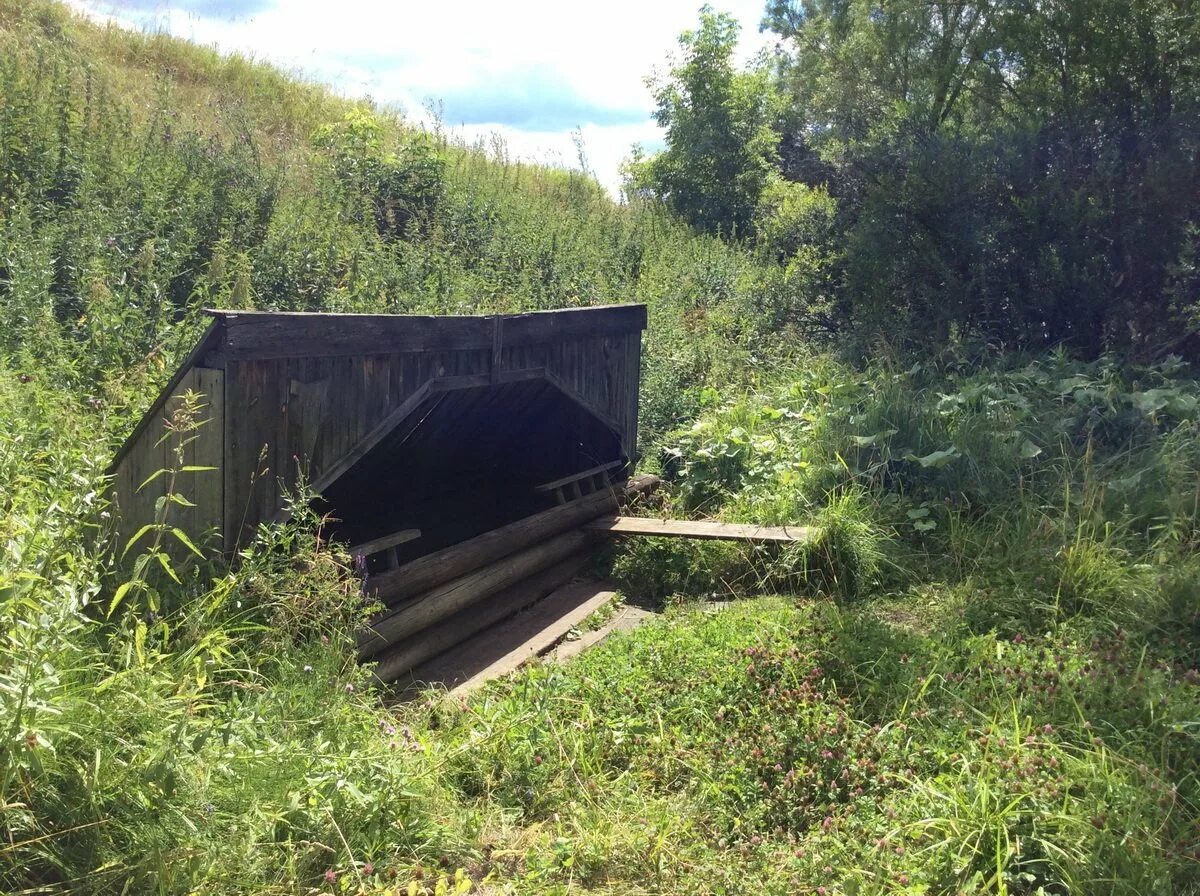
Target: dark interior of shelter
x=466 y=461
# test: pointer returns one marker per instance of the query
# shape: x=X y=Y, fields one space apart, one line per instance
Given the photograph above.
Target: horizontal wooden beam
x=434 y=606
x=705 y=529
x=375 y=545
x=504 y=648
x=576 y=477
x=265 y=335
x=210 y=340
x=441 y=566
x=441 y=636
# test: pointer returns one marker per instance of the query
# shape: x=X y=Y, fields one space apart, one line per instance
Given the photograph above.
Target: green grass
x=982 y=676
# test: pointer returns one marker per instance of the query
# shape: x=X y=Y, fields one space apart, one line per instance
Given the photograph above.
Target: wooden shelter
x=473 y=463
x=417 y=432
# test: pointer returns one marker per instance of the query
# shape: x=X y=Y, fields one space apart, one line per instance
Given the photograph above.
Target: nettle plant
x=154 y=567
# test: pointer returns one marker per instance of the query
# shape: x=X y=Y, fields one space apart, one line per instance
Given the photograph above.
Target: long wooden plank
x=705 y=529
x=371 y=439
x=436 y=605
x=208 y=451
x=262 y=335
x=210 y=339
x=576 y=477
x=433 y=569
x=503 y=649
x=626 y=619
x=441 y=636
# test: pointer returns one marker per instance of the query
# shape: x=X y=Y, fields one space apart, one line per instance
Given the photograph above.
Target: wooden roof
x=236 y=335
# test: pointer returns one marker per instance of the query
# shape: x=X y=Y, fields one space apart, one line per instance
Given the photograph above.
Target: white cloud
x=543 y=67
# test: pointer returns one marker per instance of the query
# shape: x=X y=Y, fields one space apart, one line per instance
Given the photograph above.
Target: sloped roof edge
x=207 y=342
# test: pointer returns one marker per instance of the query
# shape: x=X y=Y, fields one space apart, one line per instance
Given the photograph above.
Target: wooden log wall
x=440 y=600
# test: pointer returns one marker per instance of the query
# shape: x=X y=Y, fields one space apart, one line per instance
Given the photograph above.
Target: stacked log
x=445 y=597
x=405 y=655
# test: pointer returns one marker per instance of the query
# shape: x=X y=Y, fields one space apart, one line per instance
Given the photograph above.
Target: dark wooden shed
x=443 y=426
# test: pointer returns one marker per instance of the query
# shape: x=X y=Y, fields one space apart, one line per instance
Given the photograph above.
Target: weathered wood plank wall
x=344 y=398
x=155 y=450
x=300 y=391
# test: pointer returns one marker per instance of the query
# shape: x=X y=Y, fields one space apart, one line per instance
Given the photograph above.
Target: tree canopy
x=1026 y=173
x=721 y=138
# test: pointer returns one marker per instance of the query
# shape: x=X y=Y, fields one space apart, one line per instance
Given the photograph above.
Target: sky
x=530 y=71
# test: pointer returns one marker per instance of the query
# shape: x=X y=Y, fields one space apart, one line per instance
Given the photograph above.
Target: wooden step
x=503 y=648
x=636 y=525
x=626 y=619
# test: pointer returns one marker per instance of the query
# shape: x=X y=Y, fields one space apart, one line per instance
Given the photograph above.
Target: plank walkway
x=503 y=648
x=636 y=525
x=626 y=619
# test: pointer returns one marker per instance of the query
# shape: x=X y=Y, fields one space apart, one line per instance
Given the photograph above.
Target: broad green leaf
x=187 y=542
x=1153 y=400
x=139 y=642
x=1125 y=484
x=119 y=596
x=165 y=562
x=937 y=458
x=136 y=535
x=151 y=478
x=867 y=441
x=1029 y=450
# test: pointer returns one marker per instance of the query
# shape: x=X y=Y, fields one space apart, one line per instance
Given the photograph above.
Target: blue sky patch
x=208 y=9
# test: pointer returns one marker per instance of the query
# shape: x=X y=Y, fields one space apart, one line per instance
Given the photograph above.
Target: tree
x=720 y=131
x=1025 y=171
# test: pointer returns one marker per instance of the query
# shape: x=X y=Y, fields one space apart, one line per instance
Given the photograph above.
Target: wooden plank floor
x=635 y=525
x=503 y=648
x=626 y=619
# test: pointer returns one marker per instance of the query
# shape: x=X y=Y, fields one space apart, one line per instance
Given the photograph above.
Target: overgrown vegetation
x=1020 y=174
x=981 y=675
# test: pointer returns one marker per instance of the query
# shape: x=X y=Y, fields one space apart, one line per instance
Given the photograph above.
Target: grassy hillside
x=142 y=178
x=982 y=678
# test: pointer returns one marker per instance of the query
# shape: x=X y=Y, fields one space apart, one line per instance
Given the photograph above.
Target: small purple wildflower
x=360 y=567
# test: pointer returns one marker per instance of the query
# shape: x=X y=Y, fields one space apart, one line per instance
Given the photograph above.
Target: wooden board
x=261 y=335
x=375 y=545
x=439 y=567
x=626 y=619
x=705 y=529
x=154 y=449
x=576 y=477
x=210 y=340
x=506 y=647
